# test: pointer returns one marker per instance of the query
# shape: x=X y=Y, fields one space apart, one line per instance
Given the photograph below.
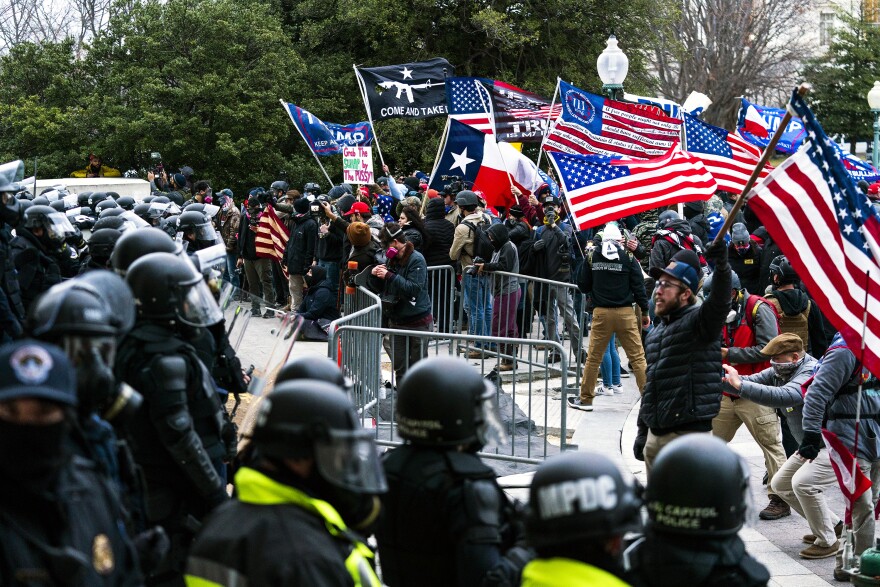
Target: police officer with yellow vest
x=310 y=485
x=580 y=507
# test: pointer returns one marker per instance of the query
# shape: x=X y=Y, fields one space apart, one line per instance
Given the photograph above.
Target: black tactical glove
x=717 y=252
x=539 y=245
x=810 y=445
x=152 y=547
x=641 y=441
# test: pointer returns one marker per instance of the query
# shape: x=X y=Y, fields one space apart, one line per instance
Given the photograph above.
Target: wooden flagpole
x=363 y=89
x=765 y=157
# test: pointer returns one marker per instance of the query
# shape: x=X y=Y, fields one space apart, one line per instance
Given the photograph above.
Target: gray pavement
x=610 y=430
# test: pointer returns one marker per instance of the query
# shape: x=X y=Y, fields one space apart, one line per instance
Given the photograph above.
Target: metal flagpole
x=315 y=155
x=544 y=138
x=765 y=157
x=491 y=114
x=362 y=86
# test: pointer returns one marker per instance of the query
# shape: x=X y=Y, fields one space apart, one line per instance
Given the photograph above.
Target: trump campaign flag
x=593 y=124
x=490 y=167
x=728 y=157
x=829 y=232
x=600 y=188
x=320 y=139
x=358 y=134
x=409 y=90
x=756 y=124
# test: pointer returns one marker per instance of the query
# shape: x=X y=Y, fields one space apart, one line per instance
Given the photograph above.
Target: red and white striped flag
x=830 y=234
x=728 y=157
x=842 y=463
x=599 y=189
x=593 y=124
x=271 y=237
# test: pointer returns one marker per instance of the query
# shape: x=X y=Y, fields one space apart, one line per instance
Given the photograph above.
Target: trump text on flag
x=357 y=165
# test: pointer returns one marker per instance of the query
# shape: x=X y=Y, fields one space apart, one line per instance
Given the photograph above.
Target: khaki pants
x=623 y=323
x=863 y=508
x=296 y=284
x=761 y=423
x=656 y=443
x=259 y=276
x=802 y=485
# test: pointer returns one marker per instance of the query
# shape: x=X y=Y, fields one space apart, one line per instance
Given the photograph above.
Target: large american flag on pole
x=593 y=124
x=829 y=232
x=728 y=157
x=470 y=102
x=599 y=188
x=271 y=237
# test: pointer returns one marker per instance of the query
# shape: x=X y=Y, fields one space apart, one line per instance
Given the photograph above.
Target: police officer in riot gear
x=445 y=520
x=101 y=245
x=40 y=251
x=300 y=502
x=312 y=367
x=60 y=521
x=197 y=230
x=177 y=436
x=580 y=507
x=697 y=500
x=134 y=244
x=12 y=310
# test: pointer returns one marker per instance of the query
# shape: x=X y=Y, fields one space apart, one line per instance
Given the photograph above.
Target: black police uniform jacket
x=683 y=389
x=71 y=538
x=444 y=522
x=37 y=269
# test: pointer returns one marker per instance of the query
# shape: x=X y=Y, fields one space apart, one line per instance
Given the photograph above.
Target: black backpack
x=482 y=246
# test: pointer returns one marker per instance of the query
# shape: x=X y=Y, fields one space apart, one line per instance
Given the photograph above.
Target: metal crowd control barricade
x=443 y=291
x=527 y=402
x=542 y=306
x=358 y=352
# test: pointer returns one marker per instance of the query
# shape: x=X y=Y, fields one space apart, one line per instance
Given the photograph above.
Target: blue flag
x=750 y=127
x=320 y=139
x=358 y=134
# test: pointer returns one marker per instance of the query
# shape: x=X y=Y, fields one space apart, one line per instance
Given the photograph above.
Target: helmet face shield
x=197 y=306
x=348 y=460
x=206 y=233
x=490 y=427
x=132 y=221
x=58 y=227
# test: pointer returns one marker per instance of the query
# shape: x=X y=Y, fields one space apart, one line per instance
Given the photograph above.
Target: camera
x=455 y=185
x=473 y=270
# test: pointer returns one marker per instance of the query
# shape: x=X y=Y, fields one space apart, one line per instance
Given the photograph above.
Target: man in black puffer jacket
x=440 y=284
x=683 y=391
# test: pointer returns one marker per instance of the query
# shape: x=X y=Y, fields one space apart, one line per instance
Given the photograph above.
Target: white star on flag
x=407 y=73
x=461 y=161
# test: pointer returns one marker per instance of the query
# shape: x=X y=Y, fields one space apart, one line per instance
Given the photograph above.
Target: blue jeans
x=478 y=291
x=610 y=368
x=230 y=274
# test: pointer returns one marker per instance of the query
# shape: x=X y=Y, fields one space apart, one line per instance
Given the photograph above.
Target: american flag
x=600 y=188
x=271 y=237
x=829 y=232
x=728 y=158
x=470 y=103
x=852 y=487
x=593 y=124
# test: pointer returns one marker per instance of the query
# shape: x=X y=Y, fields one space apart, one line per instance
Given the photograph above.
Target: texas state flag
x=483 y=165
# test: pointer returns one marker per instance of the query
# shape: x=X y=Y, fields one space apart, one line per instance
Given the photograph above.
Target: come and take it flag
x=271 y=237
x=593 y=124
x=409 y=90
x=479 y=161
x=599 y=188
x=728 y=157
x=842 y=463
x=829 y=232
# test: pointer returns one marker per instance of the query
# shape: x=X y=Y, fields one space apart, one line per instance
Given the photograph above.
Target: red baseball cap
x=358 y=208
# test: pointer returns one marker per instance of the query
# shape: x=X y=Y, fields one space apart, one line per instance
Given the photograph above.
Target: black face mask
x=39 y=456
x=95 y=383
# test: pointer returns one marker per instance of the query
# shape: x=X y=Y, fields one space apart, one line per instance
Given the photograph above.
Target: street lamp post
x=613 y=65
x=874 y=104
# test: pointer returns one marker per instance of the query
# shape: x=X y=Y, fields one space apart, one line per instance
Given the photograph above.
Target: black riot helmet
x=116 y=294
x=10 y=209
x=466 y=199
x=311 y=367
x=198 y=229
x=315 y=419
x=698 y=487
x=105 y=205
x=82 y=199
x=142 y=210
x=108 y=212
x=126 y=202
x=96 y=198
x=71 y=307
x=40 y=201
x=781 y=268
x=579 y=496
x=161 y=200
x=57 y=205
x=443 y=401
x=101 y=244
x=114 y=222
x=55 y=224
x=279 y=186
x=137 y=243
x=311 y=188
x=168 y=288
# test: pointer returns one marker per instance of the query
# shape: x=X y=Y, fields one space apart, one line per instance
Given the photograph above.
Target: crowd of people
x=117 y=368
